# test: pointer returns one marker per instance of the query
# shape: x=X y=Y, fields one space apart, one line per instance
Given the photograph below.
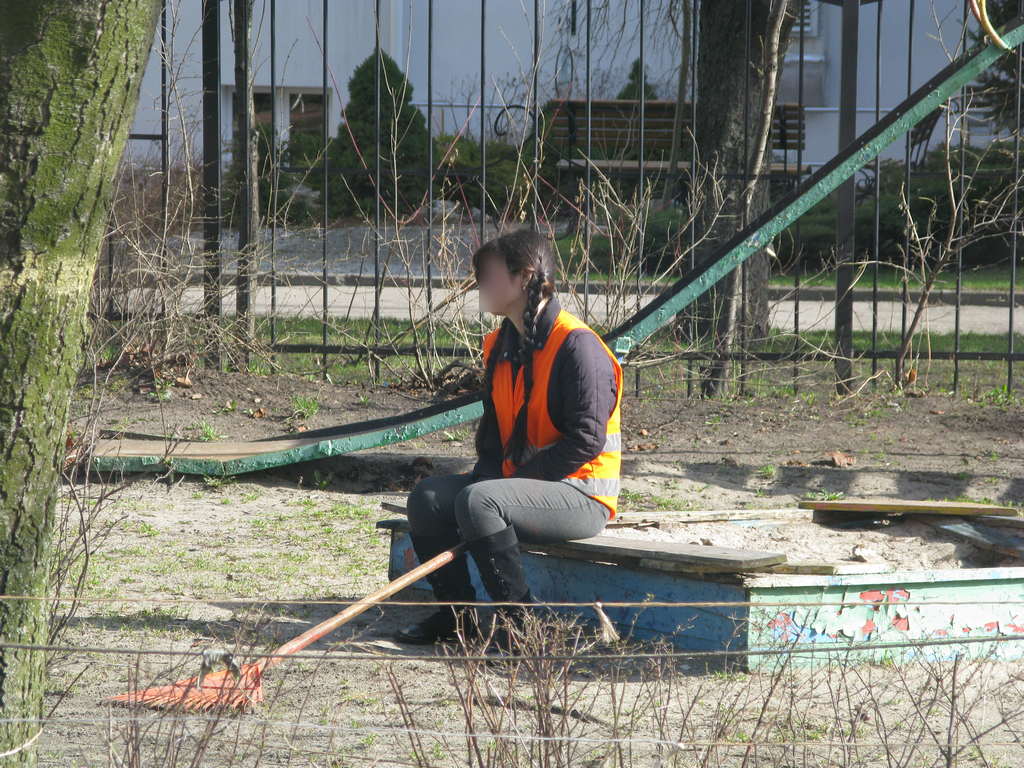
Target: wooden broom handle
x=331 y=624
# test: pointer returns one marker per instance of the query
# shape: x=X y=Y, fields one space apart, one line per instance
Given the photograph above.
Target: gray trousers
x=539 y=510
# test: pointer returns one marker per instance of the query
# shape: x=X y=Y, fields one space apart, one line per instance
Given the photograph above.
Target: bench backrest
x=615 y=127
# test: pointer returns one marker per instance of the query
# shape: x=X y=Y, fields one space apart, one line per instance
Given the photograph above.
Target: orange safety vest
x=598 y=478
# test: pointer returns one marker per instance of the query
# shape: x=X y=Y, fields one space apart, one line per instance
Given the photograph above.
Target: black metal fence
x=567 y=152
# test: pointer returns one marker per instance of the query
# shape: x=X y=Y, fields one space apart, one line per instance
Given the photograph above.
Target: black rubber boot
x=501 y=570
x=451 y=585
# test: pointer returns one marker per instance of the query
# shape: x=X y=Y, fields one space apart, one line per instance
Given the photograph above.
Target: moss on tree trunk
x=69 y=75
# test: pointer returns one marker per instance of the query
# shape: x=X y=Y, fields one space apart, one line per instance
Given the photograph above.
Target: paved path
x=344 y=301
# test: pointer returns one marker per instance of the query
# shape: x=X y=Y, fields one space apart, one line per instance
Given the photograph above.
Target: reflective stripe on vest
x=595 y=486
x=599 y=477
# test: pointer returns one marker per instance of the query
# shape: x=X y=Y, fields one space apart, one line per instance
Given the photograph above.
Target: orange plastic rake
x=241 y=687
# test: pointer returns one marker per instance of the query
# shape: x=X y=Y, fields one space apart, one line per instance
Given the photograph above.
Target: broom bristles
x=219 y=690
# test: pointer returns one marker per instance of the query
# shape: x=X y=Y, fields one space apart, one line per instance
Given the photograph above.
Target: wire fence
x=635 y=708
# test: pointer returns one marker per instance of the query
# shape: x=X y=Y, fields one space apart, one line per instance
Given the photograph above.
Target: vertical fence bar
x=243 y=268
x=588 y=192
x=640 y=185
x=536 y=116
x=797 y=239
x=377 y=187
x=429 y=250
x=747 y=172
x=164 y=160
x=325 y=137
x=1016 y=227
x=211 y=170
x=905 y=291
x=483 y=119
x=274 y=171
x=846 y=200
x=959 y=223
x=876 y=235
x=692 y=318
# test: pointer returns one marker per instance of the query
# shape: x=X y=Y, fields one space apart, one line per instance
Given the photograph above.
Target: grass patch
x=305 y=407
x=306 y=549
x=206 y=432
x=991 y=278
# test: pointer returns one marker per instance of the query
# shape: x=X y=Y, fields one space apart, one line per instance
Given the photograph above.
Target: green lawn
x=406 y=369
x=974 y=279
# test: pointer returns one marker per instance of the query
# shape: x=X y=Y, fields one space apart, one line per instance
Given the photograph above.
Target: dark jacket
x=581 y=396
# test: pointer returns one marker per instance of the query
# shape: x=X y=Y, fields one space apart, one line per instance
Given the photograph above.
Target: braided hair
x=533 y=255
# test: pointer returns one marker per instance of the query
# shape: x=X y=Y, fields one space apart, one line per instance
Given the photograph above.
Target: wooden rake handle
x=329 y=625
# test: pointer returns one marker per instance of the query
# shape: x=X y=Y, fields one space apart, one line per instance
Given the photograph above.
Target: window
x=305 y=111
x=262 y=105
x=808 y=19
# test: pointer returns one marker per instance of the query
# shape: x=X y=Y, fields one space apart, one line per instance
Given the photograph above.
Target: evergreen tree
x=403 y=145
x=631 y=90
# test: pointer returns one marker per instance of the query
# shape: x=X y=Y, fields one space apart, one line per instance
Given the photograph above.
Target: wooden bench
x=615 y=133
x=639 y=553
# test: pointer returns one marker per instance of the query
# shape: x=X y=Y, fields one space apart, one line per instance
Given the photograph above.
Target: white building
x=509 y=31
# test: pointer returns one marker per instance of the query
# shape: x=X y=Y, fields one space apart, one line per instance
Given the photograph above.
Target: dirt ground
x=679 y=453
x=248 y=562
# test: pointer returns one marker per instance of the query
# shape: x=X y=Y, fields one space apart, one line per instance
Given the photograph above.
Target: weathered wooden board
x=672 y=517
x=825 y=569
x=656 y=555
x=695 y=556
x=1001 y=541
x=901 y=507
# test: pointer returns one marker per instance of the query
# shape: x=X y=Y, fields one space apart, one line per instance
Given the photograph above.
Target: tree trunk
x=735 y=96
x=69 y=74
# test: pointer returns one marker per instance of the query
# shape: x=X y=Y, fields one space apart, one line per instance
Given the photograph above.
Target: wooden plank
x=811 y=568
x=192 y=449
x=621 y=560
x=662 y=555
x=726 y=515
x=232 y=458
x=723 y=558
x=651 y=519
x=900 y=507
x=629 y=522
x=982 y=536
x=629 y=561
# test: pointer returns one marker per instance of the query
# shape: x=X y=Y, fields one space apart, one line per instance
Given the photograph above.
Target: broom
x=240 y=687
